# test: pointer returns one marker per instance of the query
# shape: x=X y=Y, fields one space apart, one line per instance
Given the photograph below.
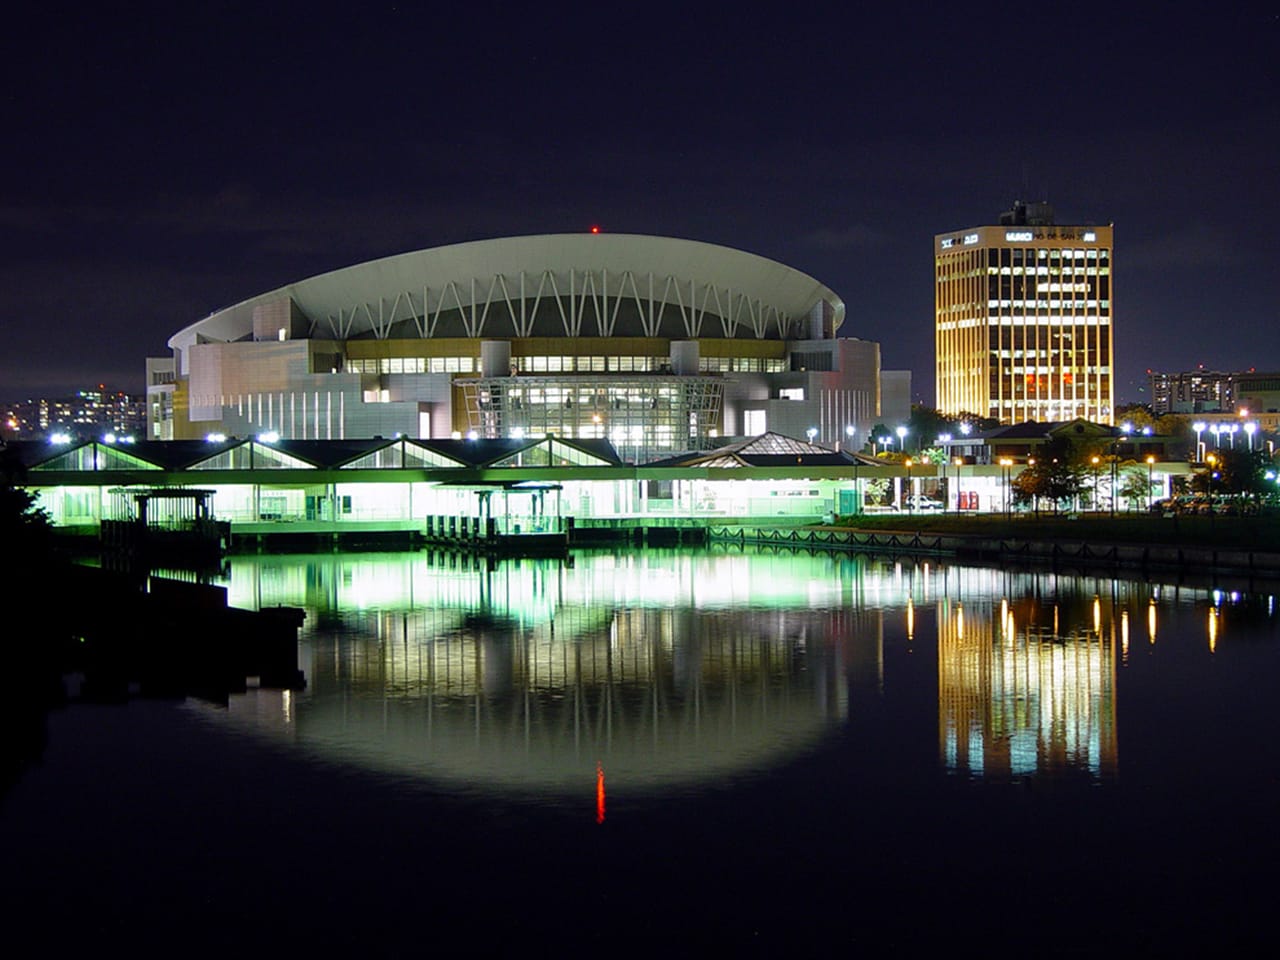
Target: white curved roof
x=701 y=278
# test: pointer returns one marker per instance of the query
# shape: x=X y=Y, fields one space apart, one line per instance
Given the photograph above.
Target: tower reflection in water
x=1026 y=686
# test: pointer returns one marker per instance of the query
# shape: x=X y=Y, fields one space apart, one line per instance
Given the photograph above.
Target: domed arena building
x=658 y=345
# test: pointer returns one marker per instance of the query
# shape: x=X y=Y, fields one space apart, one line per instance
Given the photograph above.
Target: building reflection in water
x=1027 y=686
x=654 y=669
x=648 y=669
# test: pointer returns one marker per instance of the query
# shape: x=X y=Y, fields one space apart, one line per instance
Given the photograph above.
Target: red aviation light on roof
x=595 y=228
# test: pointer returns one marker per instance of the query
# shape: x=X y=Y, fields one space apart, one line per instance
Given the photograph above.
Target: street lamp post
x=902 y=438
x=1212 y=461
x=1115 y=466
x=1007 y=466
x=1151 y=461
x=910 y=506
x=1094 y=460
x=1250 y=429
x=1198 y=427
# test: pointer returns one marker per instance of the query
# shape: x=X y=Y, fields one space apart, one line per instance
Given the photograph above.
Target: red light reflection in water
x=599 y=793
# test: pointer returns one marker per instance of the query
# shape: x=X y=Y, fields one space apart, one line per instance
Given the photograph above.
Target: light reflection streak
x=1016 y=702
x=599 y=793
x=704 y=645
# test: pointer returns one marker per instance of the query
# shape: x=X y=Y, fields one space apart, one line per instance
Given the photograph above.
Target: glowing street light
x=811 y=433
x=902 y=438
x=1198 y=427
x=1007 y=466
x=1250 y=429
x=1212 y=460
x=944 y=441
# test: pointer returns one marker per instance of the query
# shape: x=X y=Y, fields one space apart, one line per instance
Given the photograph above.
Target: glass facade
x=644 y=417
x=1024 y=323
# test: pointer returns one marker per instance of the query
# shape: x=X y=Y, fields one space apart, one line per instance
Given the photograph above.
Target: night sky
x=162 y=162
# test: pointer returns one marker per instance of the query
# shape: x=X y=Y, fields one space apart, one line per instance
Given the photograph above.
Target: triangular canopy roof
x=92 y=455
x=766 y=450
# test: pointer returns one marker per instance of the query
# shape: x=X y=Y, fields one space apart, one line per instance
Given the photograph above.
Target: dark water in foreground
x=669 y=750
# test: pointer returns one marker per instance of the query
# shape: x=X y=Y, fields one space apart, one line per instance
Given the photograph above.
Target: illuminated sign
x=946 y=244
x=970 y=238
x=1018 y=235
x=1089 y=236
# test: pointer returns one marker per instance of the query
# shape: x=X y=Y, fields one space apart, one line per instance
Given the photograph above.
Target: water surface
x=663 y=748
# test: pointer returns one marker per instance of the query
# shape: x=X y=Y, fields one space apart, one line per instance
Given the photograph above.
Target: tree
x=25 y=531
x=878 y=431
x=1056 y=475
x=1135 y=487
x=1137 y=415
x=1239 y=474
x=926 y=424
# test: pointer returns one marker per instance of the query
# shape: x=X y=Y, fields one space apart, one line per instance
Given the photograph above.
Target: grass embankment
x=1226 y=533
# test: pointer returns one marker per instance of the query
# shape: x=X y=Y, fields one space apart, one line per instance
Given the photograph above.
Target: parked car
x=920 y=503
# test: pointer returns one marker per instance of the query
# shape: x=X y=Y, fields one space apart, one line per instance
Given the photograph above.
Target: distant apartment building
x=1257 y=393
x=1191 y=391
x=1243 y=392
x=1023 y=319
x=87 y=414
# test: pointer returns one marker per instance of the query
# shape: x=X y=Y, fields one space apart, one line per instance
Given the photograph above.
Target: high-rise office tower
x=1023 y=319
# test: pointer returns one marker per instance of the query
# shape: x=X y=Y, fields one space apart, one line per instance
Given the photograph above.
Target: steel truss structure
x=585 y=302
x=567 y=285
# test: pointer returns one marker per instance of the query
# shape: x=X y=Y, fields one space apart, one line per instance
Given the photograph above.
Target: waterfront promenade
x=1247 y=546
